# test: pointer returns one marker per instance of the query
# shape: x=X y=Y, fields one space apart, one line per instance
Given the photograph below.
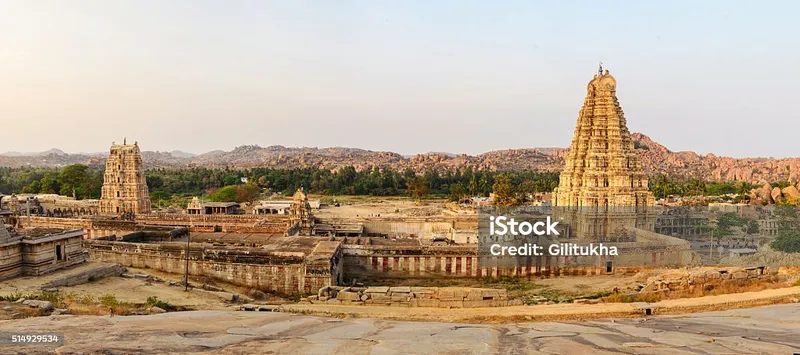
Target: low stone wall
x=450 y=297
x=686 y=280
x=246 y=223
x=86 y=276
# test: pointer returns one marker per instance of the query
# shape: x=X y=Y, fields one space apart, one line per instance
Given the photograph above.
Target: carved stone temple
x=124 y=186
x=300 y=212
x=603 y=185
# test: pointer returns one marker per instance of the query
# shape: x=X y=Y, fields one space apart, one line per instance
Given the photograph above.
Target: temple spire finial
x=125 y=141
x=600 y=70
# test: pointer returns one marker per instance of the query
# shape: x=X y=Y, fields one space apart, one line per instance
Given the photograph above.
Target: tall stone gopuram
x=603 y=185
x=124 y=185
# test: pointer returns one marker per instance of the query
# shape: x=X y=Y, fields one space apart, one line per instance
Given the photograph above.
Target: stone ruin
x=449 y=297
x=687 y=280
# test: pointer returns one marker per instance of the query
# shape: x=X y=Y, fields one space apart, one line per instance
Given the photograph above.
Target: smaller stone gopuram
x=124 y=186
x=300 y=212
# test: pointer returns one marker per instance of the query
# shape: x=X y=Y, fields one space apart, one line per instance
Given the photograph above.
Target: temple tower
x=603 y=172
x=300 y=212
x=124 y=185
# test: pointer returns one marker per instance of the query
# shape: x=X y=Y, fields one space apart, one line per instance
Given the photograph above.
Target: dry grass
x=17 y=311
x=80 y=304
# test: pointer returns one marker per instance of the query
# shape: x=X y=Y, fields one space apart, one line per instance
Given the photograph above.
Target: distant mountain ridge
x=656 y=158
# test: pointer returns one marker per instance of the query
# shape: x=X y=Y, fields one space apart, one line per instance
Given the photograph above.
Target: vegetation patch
x=83 y=304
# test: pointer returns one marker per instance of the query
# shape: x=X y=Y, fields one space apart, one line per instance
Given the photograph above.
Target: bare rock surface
x=765 y=330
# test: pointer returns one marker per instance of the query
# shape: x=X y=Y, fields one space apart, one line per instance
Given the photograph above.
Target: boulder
x=155 y=309
x=256 y=294
x=59 y=311
x=776 y=194
x=44 y=306
x=791 y=192
x=764 y=193
x=348 y=296
x=7 y=308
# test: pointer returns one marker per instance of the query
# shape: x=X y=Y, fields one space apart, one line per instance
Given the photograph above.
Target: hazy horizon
x=408 y=77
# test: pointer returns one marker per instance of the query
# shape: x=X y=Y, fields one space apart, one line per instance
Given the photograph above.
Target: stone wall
x=93 y=228
x=246 y=223
x=375 y=262
x=10 y=260
x=86 y=276
x=450 y=297
x=459 y=229
x=687 y=280
x=283 y=273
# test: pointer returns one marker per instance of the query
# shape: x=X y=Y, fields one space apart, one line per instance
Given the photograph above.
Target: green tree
x=73 y=178
x=457 y=192
x=49 y=184
x=788 y=238
x=417 y=187
x=503 y=191
x=247 y=193
x=224 y=194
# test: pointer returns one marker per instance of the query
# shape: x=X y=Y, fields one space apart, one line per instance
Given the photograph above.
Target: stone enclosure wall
x=93 y=228
x=254 y=268
x=246 y=223
x=367 y=262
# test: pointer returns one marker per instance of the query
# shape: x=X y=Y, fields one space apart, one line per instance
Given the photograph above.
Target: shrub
x=109 y=300
x=154 y=301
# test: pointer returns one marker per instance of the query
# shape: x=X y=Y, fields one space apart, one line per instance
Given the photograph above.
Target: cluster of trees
x=237 y=193
x=662 y=185
x=78 y=181
x=85 y=182
x=788 y=239
x=511 y=189
x=727 y=222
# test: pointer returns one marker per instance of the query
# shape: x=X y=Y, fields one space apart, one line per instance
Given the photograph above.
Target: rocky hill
x=656 y=159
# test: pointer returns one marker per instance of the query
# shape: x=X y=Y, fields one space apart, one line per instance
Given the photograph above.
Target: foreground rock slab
x=770 y=330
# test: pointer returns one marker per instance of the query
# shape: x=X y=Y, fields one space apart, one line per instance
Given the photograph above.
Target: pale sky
x=406 y=76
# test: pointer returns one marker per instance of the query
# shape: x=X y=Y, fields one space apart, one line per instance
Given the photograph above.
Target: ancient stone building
x=37 y=251
x=124 y=186
x=603 y=173
x=300 y=212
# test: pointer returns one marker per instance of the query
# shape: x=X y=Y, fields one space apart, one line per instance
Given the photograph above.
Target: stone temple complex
x=603 y=172
x=124 y=185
